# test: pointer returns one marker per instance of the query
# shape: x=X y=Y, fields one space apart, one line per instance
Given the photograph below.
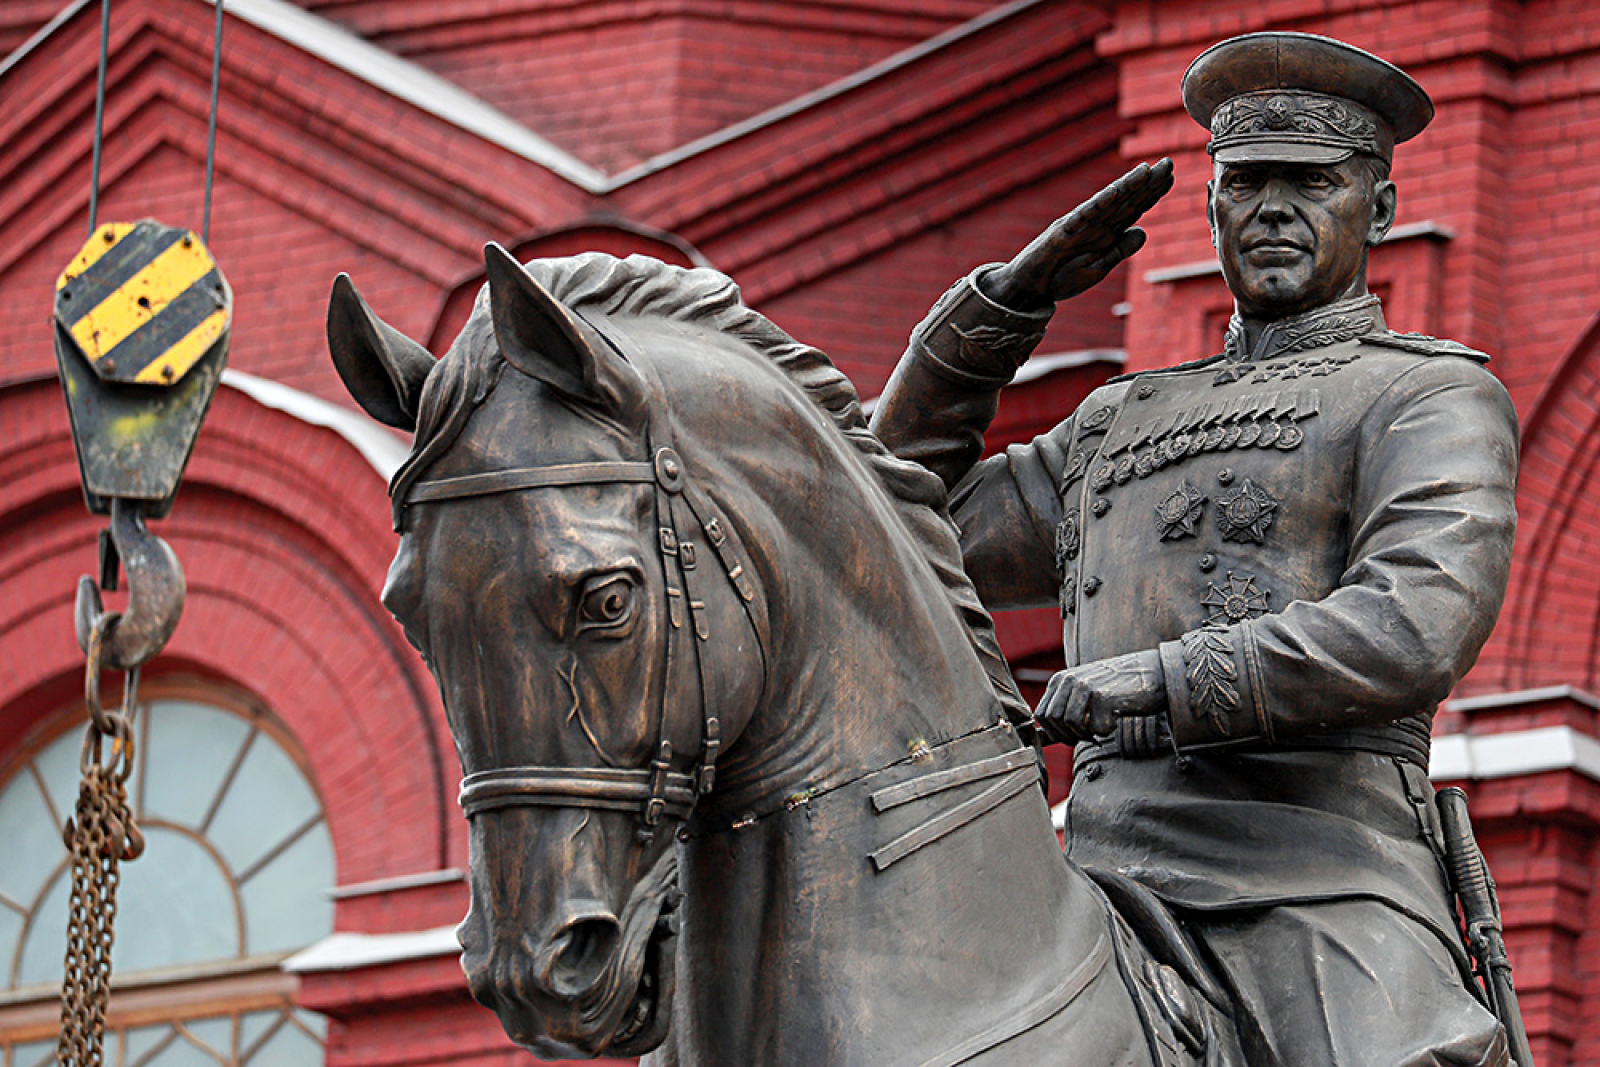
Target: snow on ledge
x=382 y=449
x=348 y=952
x=1518 y=752
x=1458 y=757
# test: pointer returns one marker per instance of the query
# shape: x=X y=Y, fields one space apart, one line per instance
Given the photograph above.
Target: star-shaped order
x=1177 y=514
x=1243 y=514
x=1241 y=600
x=1279 y=113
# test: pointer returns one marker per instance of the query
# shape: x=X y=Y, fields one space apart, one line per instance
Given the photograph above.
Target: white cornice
x=348 y=952
x=411 y=82
x=1514 y=754
x=1201 y=268
x=382 y=449
x=1518 y=697
x=1482 y=757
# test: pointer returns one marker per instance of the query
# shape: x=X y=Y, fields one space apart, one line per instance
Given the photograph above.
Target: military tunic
x=1316 y=536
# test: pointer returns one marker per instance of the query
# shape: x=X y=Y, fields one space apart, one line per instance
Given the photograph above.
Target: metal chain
x=101 y=835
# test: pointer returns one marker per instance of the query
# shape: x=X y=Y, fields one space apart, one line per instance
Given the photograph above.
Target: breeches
x=1347 y=983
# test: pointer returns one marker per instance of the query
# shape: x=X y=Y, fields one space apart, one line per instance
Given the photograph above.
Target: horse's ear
x=382 y=367
x=544 y=339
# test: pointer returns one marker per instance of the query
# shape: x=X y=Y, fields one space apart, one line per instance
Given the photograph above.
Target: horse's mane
x=641 y=286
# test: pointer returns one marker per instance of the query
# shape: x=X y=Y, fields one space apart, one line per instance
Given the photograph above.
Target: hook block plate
x=142 y=316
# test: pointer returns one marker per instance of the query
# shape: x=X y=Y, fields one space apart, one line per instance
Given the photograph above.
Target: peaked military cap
x=1300 y=98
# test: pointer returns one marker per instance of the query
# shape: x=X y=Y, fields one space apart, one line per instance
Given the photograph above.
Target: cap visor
x=1282 y=152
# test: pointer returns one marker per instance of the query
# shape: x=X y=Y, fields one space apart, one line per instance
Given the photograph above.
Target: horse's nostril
x=480 y=983
x=583 y=951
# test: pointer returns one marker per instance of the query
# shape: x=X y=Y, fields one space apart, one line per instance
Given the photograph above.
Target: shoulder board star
x=1421 y=344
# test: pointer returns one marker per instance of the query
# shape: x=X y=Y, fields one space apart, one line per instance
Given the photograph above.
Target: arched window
x=235 y=876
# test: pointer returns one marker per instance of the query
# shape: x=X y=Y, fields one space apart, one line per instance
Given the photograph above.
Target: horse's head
x=561 y=571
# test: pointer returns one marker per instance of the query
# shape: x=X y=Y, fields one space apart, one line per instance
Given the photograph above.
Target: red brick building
x=843 y=160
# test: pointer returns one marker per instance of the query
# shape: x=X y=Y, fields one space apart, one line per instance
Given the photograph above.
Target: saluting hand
x=1080 y=248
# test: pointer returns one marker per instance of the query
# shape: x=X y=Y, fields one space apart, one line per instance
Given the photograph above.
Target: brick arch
x=1550 y=629
x=283 y=530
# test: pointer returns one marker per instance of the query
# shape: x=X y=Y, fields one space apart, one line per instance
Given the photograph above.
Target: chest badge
x=1243 y=514
x=1177 y=514
x=1241 y=600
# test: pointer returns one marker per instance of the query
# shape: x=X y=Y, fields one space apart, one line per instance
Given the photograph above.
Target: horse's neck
x=870 y=660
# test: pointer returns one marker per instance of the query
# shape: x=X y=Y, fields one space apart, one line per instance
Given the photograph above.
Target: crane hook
x=156 y=590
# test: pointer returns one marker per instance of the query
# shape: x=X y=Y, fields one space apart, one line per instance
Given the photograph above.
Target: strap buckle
x=656 y=806
x=707 y=775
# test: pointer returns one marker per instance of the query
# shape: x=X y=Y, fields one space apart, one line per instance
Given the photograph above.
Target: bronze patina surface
x=745 y=772
x=1271 y=566
x=747 y=779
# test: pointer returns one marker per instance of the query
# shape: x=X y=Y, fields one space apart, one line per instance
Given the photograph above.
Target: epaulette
x=1191 y=365
x=1420 y=344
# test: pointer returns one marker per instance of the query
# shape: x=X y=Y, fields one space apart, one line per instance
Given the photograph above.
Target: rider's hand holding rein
x=1085 y=702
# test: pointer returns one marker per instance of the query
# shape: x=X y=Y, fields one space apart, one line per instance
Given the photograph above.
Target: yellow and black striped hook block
x=141 y=325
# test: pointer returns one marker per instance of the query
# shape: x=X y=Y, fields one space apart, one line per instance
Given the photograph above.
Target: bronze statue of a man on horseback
x=747 y=778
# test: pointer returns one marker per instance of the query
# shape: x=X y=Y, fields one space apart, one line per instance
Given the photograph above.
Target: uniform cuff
x=1211 y=695
x=969 y=339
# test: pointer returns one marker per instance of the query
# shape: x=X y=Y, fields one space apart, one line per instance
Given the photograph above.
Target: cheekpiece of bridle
x=657 y=792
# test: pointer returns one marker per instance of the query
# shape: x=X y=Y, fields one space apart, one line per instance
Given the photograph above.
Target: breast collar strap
x=657 y=791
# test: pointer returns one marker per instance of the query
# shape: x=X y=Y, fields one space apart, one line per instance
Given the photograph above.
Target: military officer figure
x=1271 y=564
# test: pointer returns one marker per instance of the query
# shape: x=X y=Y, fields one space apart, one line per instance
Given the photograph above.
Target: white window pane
x=267 y=800
x=175 y=906
x=58 y=766
x=182 y=1054
x=32 y=840
x=180 y=903
x=46 y=947
x=317 y=1024
x=10 y=930
x=289 y=1047
x=189 y=752
x=253 y=1025
x=142 y=1040
x=33 y=1054
x=286 y=903
x=215 y=1034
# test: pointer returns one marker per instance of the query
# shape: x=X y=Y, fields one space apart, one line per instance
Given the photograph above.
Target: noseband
x=657 y=791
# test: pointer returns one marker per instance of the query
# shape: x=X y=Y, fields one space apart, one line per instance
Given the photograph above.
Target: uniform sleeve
x=1008 y=508
x=945 y=390
x=934 y=411
x=1431 y=522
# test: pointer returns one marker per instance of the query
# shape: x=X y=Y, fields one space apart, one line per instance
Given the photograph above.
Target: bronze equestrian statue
x=745 y=772
x=1271 y=566
x=747 y=779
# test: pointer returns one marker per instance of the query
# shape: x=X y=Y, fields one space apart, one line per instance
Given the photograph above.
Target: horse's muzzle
x=599 y=984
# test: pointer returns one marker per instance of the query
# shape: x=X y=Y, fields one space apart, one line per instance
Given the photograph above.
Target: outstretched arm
x=945 y=390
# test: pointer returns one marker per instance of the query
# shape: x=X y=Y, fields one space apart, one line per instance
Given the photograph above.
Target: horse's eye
x=606 y=602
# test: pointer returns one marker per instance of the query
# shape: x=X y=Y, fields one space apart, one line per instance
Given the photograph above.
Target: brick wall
x=618 y=82
x=843 y=220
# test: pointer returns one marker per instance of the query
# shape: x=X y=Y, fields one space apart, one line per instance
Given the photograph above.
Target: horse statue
x=747 y=779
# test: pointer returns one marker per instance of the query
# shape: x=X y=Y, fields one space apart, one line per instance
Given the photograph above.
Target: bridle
x=658 y=792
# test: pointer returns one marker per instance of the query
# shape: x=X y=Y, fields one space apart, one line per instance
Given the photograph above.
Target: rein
x=656 y=791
